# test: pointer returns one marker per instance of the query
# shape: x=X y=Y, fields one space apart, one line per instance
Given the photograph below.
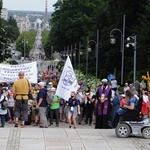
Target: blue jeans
x=2 y=120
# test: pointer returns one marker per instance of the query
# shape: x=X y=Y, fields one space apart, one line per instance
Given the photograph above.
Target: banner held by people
x=68 y=81
x=9 y=73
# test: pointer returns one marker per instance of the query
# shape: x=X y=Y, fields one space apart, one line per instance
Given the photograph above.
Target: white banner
x=68 y=81
x=9 y=73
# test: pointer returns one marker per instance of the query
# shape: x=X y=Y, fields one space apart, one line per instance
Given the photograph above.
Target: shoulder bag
x=29 y=92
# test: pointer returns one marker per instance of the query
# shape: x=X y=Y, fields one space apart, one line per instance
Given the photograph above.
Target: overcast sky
x=37 y=5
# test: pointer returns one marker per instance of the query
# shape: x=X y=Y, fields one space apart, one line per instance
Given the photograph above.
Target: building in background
x=4 y=14
x=46 y=12
x=23 y=23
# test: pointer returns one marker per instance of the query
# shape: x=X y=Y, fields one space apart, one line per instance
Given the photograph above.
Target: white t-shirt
x=113 y=83
x=11 y=102
x=145 y=98
x=126 y=88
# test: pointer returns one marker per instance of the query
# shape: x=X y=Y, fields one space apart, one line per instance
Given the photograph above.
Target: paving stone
x=89 y=134
x=3 y=143
x=96 y=144
x=82 y=138
x=32 y=133
x=4 y=134
x=52 y=144
x=77 y=144
x=72 y=134
x=31 y=144
x=55 y=133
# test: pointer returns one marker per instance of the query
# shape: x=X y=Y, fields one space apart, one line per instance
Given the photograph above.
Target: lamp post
x=96 y=54
x=113 y=41
x=4 y=52
x=51 y=53
x=24 y=41
x=77 y=52
x=134 y=43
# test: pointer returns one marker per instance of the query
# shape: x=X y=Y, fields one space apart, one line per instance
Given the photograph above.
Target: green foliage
x=12 y=31
x=12 y=22
x=9 y=32
x=29 y=38
x=74 y=21
x=91 y=80
x=45 y=37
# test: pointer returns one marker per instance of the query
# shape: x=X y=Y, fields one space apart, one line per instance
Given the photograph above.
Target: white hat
x=123 y=95
x=104 y=80
x=41 y=83
x=53 y=89
x=50 y=83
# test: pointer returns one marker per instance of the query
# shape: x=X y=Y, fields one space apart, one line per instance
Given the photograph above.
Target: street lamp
x=51 y=53
x=96 y=55
x=134 y=43
x=113 y=41
x=77 y=55
x=87 y=52
x=4 y=52
x=24 y=41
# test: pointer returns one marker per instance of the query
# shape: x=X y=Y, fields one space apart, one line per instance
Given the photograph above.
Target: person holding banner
x=21 y=89
x=73 y=109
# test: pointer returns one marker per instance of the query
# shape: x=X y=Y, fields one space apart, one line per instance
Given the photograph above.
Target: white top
x=80 y=96
x=11 y=102
x=113 y=83
x=3 y=112
x=126 y=88
x=145 y=98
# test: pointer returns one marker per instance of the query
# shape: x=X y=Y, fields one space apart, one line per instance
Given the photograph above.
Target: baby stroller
x=131 y=123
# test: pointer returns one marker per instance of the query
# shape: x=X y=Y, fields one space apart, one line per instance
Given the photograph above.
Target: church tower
x=46 y=12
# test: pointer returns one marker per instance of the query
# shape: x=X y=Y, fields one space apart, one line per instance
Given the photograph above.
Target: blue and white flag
x=68 y=81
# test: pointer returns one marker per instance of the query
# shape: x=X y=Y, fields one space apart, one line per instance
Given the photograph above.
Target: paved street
x=37 y=51
x=82 y=138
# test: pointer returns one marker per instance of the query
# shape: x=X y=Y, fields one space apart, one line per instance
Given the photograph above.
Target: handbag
x=29 y=93
x=4 y=104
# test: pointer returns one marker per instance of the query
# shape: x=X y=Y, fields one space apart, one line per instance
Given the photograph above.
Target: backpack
x=116 y=100
x=49 y=98
x=4 y=104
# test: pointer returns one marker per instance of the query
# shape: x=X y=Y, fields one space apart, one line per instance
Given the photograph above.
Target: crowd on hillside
x=84 y=107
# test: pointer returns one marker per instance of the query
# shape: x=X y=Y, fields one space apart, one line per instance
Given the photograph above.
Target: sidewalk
x=52 y=138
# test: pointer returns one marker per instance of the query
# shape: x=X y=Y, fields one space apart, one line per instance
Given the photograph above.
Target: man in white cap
x=126 y=87
x=50 y=84
x=103 y=111
x=42 y=105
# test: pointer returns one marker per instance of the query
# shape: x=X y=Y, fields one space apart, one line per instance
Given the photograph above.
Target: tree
x=45 y=35
x=28 y=36
x=12 y=22
x=143 y=31
x=111 y=53
x=74 y=21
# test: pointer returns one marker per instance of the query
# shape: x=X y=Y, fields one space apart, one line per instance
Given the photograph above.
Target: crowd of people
x=87 y=106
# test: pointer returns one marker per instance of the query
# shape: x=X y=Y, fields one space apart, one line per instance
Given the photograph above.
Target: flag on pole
x=68 y=81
